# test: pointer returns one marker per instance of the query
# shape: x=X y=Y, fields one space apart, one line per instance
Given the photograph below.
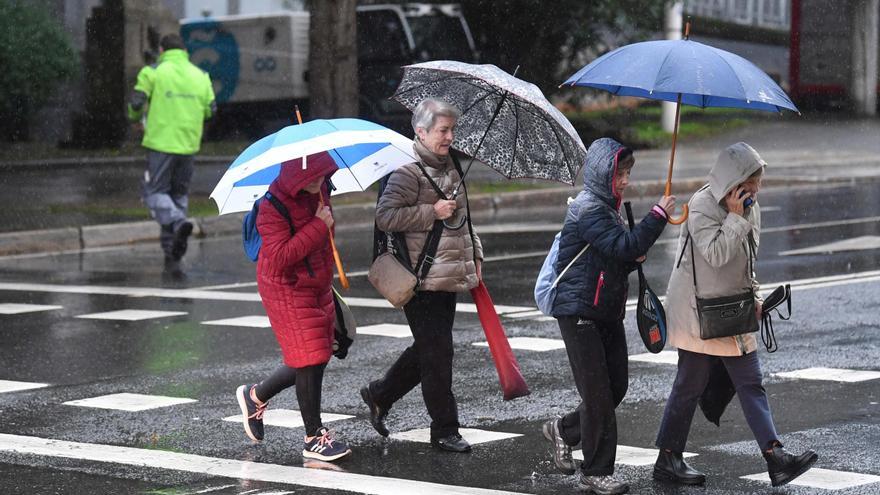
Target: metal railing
x=771 y=14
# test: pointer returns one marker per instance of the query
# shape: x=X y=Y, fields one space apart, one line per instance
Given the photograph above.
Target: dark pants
x=598 y=357
x=428 y=361
x=690 y=382
x=308 y=391
x=165 y=192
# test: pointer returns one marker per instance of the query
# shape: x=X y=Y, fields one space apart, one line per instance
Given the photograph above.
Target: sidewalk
x=41 y=195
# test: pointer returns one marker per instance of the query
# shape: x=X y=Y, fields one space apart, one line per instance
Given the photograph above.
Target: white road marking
x=825 y=479
x=796 y=285
x=129 y=402
x=288 y=418
x=530 y=344
x=15 y=309
x=862 y=243
x=386 y=330
x=231 y=468
x=14 y=386
x=254 y=321
x=831 y=374
x=472 y=435
x=662 y=357
x=131 y=315
x=631 y=456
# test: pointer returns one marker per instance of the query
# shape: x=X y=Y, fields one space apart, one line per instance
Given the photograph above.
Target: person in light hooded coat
x=724 y=236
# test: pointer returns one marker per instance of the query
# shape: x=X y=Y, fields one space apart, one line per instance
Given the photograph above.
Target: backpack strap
x=279 y=206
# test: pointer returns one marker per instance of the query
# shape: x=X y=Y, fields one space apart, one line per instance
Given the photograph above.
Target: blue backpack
x=250 y=237
x=548 y=279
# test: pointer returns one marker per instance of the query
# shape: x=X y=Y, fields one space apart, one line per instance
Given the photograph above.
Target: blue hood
x=598 y=180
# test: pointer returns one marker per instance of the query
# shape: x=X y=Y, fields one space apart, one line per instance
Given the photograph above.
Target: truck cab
x=259 y=62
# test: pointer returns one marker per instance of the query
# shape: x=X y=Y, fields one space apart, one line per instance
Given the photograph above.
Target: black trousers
x=598 y=357
x=428 y=361
x=691 y=381
x=308 y=382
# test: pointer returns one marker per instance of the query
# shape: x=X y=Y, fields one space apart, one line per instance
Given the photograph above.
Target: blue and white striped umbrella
x=363 y=150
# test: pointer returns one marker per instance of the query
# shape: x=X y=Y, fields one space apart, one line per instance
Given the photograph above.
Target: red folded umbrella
x=512 y=383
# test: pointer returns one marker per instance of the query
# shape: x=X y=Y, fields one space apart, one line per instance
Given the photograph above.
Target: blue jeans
x=690 y=382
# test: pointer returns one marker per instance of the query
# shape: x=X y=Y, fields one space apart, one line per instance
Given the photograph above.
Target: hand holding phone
x=748 y=201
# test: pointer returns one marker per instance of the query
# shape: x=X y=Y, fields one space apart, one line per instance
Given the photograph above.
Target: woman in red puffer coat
x=294 y=276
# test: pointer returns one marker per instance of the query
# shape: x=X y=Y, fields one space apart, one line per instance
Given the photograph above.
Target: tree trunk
x=333 y=88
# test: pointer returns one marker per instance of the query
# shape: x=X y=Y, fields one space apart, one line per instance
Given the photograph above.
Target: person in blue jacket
x=590 y=304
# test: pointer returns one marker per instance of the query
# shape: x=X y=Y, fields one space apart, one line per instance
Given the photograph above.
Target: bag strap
x=559 y=277
x=279 y=206
x=749 y=242
x=467 y=204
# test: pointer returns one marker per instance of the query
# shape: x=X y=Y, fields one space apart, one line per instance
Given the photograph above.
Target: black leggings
x=308 y=391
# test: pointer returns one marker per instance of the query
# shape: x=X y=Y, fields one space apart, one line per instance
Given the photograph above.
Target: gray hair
x=426 y=113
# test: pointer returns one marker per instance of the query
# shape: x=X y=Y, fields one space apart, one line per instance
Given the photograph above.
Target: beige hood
x=734 y=165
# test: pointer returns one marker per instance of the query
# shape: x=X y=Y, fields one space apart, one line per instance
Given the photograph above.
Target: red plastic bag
x=512 y=382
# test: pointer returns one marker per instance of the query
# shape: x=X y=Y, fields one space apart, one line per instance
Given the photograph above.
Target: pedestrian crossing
x=291 y=419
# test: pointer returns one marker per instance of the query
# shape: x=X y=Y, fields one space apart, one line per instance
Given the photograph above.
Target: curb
x=483 y=207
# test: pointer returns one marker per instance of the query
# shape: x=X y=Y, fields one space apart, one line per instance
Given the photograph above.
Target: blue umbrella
x=687 y=72
x=363 y=150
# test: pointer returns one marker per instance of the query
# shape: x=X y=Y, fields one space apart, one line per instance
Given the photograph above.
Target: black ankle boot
x=670 y=466
x=784 y=466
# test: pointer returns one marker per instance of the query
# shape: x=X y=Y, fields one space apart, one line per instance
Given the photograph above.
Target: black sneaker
x=561 y=450
x=377 y=413
x=181 y=235
x=252 y=414
x=324 y=447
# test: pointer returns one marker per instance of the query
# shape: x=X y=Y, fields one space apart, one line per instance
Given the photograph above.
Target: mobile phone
x=746 y=202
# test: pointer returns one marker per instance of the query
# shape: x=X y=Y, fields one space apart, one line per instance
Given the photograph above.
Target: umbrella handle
x=680 y=220
x=343 y=280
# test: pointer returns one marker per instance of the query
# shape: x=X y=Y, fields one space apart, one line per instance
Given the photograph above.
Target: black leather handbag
x=725 y=316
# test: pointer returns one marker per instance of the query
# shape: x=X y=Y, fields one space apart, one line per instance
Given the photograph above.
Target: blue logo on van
x=216 y=52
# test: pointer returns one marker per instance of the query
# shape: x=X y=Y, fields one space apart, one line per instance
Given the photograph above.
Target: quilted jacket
x=294 y=272
x=407 y=205
x=595 y=286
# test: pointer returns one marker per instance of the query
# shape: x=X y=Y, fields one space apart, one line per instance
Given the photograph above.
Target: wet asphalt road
x=835 y=326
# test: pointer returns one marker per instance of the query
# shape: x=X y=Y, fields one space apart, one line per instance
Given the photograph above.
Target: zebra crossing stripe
x=231 y=468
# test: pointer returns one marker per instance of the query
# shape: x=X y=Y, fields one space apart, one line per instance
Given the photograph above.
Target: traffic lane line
x=231 y=468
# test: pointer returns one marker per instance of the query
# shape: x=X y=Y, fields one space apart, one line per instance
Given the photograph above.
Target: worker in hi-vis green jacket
x=177 y=97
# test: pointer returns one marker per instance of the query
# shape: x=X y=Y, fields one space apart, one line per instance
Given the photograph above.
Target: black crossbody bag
x=725 y=316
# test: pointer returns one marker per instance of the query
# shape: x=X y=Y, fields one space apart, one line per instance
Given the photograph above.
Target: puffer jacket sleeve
x=718 y=241
x=279 y=247
x=398 y=209
x=606 y=235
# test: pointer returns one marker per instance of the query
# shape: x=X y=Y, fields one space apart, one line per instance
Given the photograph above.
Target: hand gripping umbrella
x=363 y=151
x=650 y=315
x=686 y=72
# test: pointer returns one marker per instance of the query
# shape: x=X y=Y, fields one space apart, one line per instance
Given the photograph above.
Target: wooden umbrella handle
x=680 y=220
x=343 y=280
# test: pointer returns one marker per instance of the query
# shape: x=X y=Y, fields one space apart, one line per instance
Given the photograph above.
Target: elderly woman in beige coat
x=717 y=249
x=410 y=204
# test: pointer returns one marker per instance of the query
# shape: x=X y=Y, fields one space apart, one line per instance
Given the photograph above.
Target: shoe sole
x=671 y=478
x=322 y=457
x=589 y=489
x=239 y=395
x=368 y=400
x=549 y=436
x=447 y=449
x=806 y=467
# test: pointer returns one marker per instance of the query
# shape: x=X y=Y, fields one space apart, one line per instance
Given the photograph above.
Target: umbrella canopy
x=506 y=122
x=363 y=151
x=683 y=71
x=704 y=76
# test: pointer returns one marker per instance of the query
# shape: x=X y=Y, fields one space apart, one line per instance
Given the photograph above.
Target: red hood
x=293 y=177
